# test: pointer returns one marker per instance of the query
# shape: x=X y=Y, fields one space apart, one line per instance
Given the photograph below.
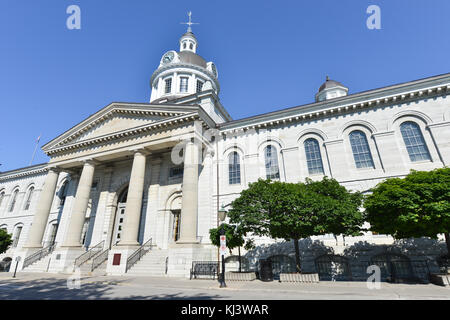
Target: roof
x=191 y=58
x=330 y=84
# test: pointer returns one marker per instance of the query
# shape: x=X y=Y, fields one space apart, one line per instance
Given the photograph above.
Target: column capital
x=91 y=161
x=141 y=150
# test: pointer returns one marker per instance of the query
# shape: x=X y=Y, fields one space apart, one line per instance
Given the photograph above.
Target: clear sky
x=270 y=55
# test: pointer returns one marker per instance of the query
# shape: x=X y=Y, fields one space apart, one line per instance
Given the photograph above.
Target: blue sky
x=270 y=55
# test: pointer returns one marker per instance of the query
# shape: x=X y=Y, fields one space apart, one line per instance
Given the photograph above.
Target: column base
x=128 y=244
x=187 y=241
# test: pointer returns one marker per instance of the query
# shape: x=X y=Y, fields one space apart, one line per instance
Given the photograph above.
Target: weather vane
x=190 y=23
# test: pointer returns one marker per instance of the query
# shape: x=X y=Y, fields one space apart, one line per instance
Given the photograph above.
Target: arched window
x=415 y=144
x=29 y=197
x=271 y=161
x=63 y=193
x=313 y=157
x=2 y=196
x=361 y=150
x=234 y=168
x=14 y=200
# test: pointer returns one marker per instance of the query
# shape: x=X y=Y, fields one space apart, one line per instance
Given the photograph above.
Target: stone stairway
x=152 y=264
x=38 y=266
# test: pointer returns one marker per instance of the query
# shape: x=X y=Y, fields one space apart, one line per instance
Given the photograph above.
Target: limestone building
x=154 y=174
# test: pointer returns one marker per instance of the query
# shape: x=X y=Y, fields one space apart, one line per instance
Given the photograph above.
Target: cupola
x=331 y=89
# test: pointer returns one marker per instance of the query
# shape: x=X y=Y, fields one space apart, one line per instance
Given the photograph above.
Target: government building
x=136 y=187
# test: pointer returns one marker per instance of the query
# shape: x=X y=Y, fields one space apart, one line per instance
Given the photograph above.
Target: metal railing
x=38 y=255
x=89 y=254
x=99 y=259
x=138 y=254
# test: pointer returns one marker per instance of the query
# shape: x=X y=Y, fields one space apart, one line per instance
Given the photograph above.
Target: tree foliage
x=5 y=240
x=415 y=206
x=235 y=238
x=297 y=210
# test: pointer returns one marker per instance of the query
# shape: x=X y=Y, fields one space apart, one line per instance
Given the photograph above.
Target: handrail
x=138 y=254
x=99 y=259
x=38 y=255
x=88 y=254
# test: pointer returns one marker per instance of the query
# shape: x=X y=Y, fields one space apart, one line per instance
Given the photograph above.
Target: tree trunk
x=297 y=256
x=447 y=241
x=239 y=252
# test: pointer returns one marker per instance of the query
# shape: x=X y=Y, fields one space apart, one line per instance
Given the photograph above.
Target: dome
x=331 y=89
x=191 y=58
x=328 y=84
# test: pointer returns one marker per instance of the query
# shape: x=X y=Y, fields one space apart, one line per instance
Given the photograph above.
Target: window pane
x=234 y=169
x=30 y=195
x=361 y=150
x=271 y=160
x=199 y=86
x=168 y=87
x=313 y=157
x=414 y=141
x=183 y=84
x=13 y=202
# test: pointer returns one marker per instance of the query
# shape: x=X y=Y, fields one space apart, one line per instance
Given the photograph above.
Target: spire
x=188 y=42
x=190 y=23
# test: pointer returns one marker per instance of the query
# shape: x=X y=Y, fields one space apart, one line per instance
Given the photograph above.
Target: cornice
x=27 y=171
x=340 y=106
x=186 y=118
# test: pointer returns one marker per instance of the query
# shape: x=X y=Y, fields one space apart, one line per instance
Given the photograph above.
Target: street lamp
x=222 y=215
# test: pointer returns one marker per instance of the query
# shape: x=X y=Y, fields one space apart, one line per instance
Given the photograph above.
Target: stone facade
x=119 y=178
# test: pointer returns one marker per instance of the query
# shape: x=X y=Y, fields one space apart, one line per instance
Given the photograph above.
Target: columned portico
x=75 y=227
x=189 y=208
x=43 y=210
x=134 y=200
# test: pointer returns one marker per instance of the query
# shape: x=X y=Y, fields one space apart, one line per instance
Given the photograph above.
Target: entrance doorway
x=120 y=217
x=176 y=225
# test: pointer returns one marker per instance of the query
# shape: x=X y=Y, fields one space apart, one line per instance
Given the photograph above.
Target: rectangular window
x=176 y=172
x=184 y=84
x=199 y=86
x=168 y=87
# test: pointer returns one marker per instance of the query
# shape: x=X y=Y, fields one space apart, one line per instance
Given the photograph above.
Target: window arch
x=62 y=194
x=234 y=168
x=313 y=156
x=2 y=196
x=414 y=141
x=12 y=205
x=361 y=149
x=29 y=198
x=271 y=162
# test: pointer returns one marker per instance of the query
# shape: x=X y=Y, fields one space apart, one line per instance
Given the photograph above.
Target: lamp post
x=222 y=215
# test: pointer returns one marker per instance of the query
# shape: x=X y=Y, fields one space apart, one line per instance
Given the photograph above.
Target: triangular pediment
x=117 y=118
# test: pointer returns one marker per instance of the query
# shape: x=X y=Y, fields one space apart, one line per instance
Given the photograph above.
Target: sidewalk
x=54 y=286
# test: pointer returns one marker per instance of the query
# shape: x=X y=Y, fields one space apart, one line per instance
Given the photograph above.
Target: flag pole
x=35 y=148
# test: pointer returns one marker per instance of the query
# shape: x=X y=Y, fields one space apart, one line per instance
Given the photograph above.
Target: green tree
x=5 y=240
x=234 y=238
x=415 y=206
x=293 y=211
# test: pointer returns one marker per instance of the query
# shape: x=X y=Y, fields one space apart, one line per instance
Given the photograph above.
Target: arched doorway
x=394 y=267
x=333 y=267
x=175 y=212
x=119 y=217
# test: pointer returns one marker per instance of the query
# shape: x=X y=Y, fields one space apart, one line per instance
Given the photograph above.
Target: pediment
x=114 y=119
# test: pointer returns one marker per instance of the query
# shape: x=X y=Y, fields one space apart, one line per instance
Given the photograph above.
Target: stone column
x=73 y=233
x=189 y=209
x=134 y=201
x=40 y=218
